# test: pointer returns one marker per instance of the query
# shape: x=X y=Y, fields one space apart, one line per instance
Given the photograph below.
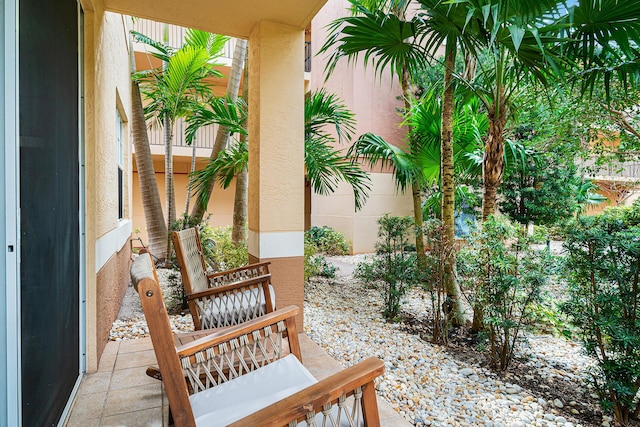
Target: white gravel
x=427 y=384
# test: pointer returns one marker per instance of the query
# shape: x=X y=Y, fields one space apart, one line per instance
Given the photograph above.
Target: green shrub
x=328 y=241
x=314 y=263
x=221 y=250
x=394 y=267
x=603 y=267
x=176 y=300
x=507 y=277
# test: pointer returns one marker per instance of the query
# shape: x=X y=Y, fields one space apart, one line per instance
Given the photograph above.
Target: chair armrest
x=328 y=391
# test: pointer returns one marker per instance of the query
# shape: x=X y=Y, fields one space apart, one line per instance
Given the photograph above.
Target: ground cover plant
x=603 y=267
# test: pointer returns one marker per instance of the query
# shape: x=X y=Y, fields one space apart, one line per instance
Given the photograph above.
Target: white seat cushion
x=227 y=310
x=235 y=399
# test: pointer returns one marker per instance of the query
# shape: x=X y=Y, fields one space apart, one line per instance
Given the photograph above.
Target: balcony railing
x=625 y=170
x=307 y=57
x=155 y=30
x=204 y=137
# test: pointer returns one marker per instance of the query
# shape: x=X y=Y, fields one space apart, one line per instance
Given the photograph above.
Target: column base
x=287 y=278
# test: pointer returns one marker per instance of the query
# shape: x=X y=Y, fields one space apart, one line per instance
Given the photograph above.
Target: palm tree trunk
x=416 y=191
x=168 y=180
x=233 y=85
x=493 y=163
x=492 y=169
x=242 y=179
x=240 y=207
x=447 y=211
x=191 y=171
x=151 y=204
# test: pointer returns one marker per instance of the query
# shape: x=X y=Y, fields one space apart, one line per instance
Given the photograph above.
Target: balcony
x=205 y=136
x=176 y=34
x=619 y=170
x=155 y=30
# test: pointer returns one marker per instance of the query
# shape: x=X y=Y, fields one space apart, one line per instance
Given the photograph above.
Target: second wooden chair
x=223 y=298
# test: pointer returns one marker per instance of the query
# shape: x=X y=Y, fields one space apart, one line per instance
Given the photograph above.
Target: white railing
x=627 y=170
x=205 y=136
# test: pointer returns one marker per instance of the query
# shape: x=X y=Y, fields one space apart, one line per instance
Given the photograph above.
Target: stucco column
x=276 y=157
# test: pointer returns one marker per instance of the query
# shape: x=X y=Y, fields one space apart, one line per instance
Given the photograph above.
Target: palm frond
x=322 y=109
x=221 y=111
x=213 y=43
x=160 y=50
x=326 y=167
x=385 y=40
x=376 y=152
x=225 y=167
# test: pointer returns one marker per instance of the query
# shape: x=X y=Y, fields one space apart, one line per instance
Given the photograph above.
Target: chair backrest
x=190 y=260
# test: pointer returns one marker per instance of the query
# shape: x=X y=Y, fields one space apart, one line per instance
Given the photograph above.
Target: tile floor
x=120 y=394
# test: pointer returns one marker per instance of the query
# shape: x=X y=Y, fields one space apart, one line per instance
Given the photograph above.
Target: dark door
x=49 y=207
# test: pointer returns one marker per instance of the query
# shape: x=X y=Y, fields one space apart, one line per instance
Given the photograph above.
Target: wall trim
x=112 y=242
x=278 y=244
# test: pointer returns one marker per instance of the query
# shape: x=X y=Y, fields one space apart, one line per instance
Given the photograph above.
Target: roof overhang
x=234 y=18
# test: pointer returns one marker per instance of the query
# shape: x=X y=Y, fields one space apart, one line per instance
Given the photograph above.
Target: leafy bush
x=221 y=250
x=394 y=267
x=314 y=263
x=176 y=299
x=328 y=241
x=507 y=277
x=603 y=267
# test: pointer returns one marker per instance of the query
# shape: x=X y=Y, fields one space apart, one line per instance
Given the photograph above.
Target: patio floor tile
x=145 y=418
x=134 y=360
x=133 y=399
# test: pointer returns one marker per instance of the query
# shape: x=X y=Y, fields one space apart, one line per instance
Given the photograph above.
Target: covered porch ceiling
x=234 y=18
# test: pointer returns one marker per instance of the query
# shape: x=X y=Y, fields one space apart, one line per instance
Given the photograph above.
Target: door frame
x=10 y=201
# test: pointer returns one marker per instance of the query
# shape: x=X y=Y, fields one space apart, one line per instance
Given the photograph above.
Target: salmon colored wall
x=375 y=101
x=361 y=228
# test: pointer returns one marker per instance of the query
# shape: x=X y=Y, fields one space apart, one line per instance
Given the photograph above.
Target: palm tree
x=156 y=226
x=543 y=40
x=325 y=165
x=172 y=90
x=222 y=136
x=391 y=39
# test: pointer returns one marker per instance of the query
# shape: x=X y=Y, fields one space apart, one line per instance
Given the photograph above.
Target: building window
x=120 y=165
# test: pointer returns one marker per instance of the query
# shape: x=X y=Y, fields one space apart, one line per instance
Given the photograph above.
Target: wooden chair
x=251 y=374
x=224 y=298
